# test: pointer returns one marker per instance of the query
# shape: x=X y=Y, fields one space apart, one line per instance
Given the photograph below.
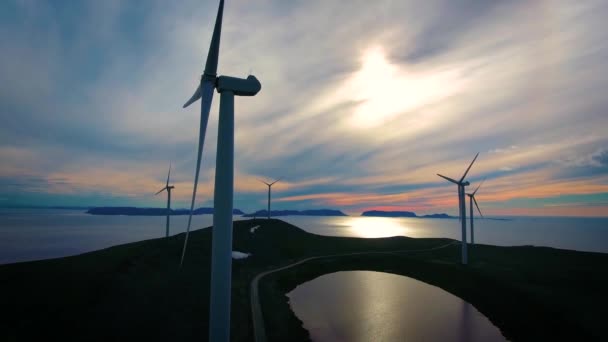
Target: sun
x=385 y=90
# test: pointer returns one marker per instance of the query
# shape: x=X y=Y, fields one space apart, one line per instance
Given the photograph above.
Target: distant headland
x=313 y=212
x=134 y=211
x=380 y=213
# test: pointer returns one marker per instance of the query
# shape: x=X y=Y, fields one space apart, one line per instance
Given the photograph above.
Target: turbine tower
x=168 y=188
x=471 y=201
x=269 y=187
x=462 y=209
x=221 y=245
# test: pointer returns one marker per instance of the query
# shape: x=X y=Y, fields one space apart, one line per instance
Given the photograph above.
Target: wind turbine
x=168 y=188
x=221 y=245
x=471 y=200
x=269 y=187
x=462 y=208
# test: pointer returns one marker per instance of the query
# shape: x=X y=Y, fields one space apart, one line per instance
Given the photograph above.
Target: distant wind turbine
x=269 y=189
x=221 y=245
x=462 y=208
x=471 y=201
x=168 y=188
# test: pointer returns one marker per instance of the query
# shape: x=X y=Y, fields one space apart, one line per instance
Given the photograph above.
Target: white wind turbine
x=168 y=188
x=221 y=245
x=269 y=189
x=462 y=209
x=471 y=201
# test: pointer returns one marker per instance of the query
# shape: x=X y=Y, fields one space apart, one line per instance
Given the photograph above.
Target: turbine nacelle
x=239 y=86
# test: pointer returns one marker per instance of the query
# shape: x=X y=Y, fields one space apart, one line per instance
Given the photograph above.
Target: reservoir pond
x=375 y=306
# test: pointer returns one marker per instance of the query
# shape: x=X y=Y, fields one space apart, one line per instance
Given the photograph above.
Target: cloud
x=361 y=105
x=601 y=158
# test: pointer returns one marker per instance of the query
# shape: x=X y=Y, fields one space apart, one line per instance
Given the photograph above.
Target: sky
x=362 y=103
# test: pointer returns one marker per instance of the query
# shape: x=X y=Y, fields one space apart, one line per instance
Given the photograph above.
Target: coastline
x=526 y=292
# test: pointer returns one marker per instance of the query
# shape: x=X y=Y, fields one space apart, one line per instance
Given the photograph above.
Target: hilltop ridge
x=310 y=212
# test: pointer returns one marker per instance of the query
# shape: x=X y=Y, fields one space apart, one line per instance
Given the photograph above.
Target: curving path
x=259 y=331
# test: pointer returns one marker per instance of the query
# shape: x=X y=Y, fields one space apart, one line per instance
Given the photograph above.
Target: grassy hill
x=136 y=291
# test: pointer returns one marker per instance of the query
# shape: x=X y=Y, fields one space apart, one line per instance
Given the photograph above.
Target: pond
x=375 y=306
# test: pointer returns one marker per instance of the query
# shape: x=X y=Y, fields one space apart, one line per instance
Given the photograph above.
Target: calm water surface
x=374 y=306
x=31 y=234
x=583 y=234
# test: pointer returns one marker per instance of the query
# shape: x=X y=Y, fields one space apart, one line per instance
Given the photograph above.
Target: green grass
x=136 y=291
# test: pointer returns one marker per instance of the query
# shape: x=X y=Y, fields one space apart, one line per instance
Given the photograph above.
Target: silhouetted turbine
x=221 y=245
x=462 y=209
x=269 y=187
x=168 y=188
x=471 y=201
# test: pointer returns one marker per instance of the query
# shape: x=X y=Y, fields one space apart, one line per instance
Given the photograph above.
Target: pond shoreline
x=519 y=316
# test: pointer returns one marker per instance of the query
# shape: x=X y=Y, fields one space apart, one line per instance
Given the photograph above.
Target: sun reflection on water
x=375 y=227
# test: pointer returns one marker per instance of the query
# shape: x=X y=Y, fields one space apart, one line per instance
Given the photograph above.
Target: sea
x=34 y=234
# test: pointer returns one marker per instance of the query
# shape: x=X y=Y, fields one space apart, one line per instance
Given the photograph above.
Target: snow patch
x=240 y=255
x=252 y=230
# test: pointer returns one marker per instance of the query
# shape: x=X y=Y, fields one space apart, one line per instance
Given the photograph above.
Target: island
x=380 y=213
x=312 y=212
x=134 y=211
x=439 y=216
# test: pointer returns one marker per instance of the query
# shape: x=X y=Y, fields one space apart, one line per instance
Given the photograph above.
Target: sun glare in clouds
x=386 y=90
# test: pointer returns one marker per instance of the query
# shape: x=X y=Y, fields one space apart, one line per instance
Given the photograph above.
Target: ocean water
x=33 y=234
x=375 y=306
x=582 y=234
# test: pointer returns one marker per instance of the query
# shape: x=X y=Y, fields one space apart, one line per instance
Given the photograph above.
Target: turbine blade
x=196 y=96
x=477 y=205
x=207 y=98
x=214 y=47
x=448 y=178
x=263 y=182
x=161 y=190
x=479 y=186
x=168 y=174
x=212 y=55
x=276 y=181
x=467 y=171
